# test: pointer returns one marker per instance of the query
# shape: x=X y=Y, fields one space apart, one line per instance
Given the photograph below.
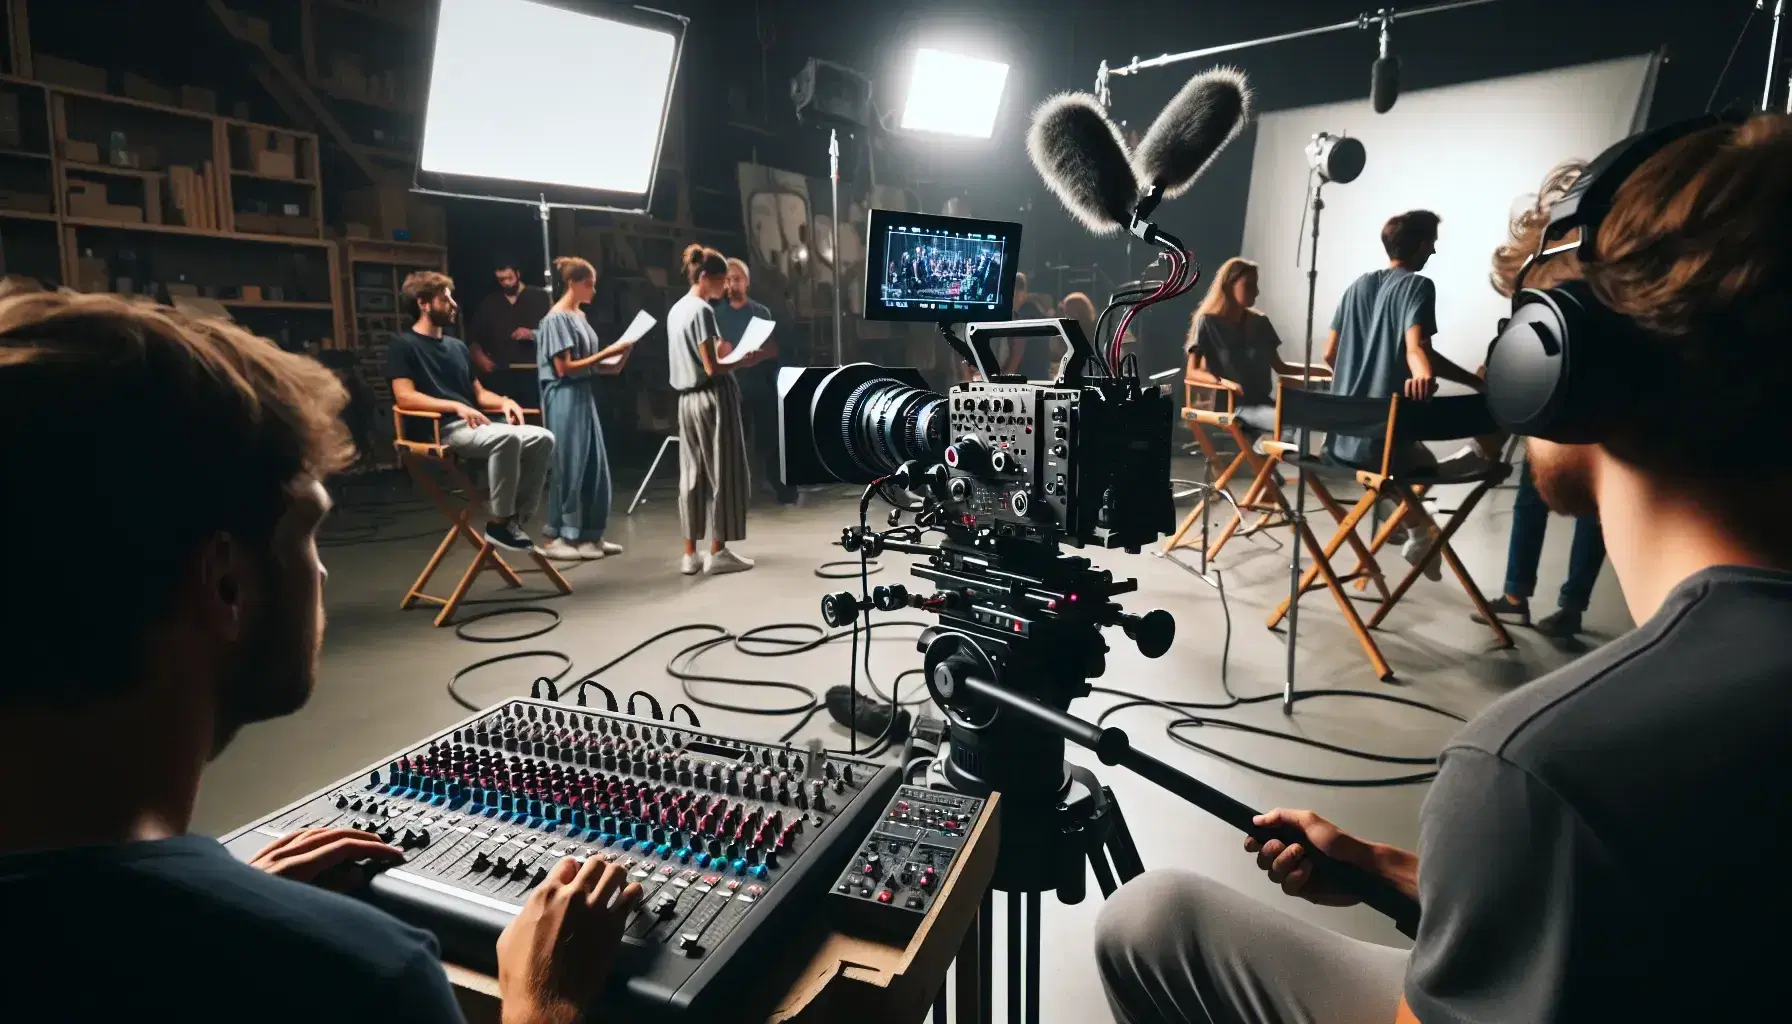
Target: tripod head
x=1016 y=611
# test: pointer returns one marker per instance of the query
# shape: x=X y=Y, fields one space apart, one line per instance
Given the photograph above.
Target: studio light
x=954 y=95
x=528 y=99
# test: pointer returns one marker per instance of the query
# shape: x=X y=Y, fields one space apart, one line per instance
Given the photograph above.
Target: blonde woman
x=1233 y=345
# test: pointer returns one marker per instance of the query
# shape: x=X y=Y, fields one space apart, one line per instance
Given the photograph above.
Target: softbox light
x=953 y=95
x=531 y=99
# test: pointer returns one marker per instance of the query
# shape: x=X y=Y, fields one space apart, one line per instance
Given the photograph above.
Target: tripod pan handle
x=1374 y=890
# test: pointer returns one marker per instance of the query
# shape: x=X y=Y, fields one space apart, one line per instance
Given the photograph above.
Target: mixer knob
x=829 y=771
x=802 y=799
x=783 y=758
x=342 y=799
x=846 y=773
x=641 y=830
x=688 y=945
x=839 y=787
x=783 y=793
x=684 y=778
x=659 y=736
x=714 y=846
x=1060 y=451
x=630 y=731
x=1001 y=462
x=733 y=784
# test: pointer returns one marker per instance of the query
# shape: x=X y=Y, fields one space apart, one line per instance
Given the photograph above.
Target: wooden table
x=829 y=975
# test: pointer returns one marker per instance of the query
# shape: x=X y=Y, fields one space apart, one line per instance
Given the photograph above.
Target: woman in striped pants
x=713 y=484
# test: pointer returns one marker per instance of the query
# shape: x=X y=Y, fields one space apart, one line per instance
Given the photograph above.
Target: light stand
x=1773 y=47
x=1300 y=480
x=547 y=255
x=834 y=188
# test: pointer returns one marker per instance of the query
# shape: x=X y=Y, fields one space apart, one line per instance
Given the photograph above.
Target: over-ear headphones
x=1559 y=369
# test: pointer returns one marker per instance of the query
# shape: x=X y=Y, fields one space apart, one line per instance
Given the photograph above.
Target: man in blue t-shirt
x=759 y=382
x=1380 y=343
x=114 y=911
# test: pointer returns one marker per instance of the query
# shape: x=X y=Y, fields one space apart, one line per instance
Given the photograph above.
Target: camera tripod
x=1045 y=848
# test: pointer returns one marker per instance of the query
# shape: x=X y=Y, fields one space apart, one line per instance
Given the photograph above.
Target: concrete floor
x=384 y=672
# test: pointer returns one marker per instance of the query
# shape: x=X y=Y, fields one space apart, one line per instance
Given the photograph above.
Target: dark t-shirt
x=497 y=318
x=438 y=367
x=756 y=380
x=178 y=930
x=1595 y=846
x=1243 y=353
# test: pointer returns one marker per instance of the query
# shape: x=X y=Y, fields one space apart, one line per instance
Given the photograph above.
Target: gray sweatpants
x=1178 y=946
x=516 y=461
x=714 y=488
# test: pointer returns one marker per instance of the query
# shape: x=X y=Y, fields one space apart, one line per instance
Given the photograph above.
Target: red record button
x=885 y=896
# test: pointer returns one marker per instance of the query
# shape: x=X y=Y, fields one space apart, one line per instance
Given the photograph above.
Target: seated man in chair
x=1380 y=346
x=1563 y=869
x=432 y=372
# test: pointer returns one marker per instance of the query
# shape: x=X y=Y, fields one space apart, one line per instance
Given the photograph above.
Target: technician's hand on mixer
x=557 y=953
x=325 y=856
x=1288 y=865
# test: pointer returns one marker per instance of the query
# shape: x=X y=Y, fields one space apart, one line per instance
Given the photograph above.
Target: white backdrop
x=1465 y=152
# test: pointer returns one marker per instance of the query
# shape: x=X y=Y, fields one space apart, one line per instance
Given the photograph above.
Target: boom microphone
x=1384 y=76
x=1208 y=113
x=1082 y=158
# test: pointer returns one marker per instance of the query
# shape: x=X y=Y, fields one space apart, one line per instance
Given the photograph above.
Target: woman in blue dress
x=568 y=355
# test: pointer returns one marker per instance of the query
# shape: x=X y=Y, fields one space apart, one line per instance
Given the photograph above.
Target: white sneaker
x=1415 y=546
x=609 y=548
x=690 y=564
x=560 y=551
x=726 y=561
x=590 y=549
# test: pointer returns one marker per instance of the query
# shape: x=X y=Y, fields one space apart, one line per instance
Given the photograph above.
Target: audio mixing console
x=726 y=837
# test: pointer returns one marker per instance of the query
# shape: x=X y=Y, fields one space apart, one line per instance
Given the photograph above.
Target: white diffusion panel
x=525 y=92
x=1464 y=152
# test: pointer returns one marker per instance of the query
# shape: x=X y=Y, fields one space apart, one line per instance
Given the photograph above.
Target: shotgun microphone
x=1384 y=75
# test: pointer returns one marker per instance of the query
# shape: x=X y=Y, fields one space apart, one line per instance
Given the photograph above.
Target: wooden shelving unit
x=373 y=272
x=219 y=182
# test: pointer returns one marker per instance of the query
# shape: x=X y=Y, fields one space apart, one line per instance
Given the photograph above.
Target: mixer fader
x=725 y=836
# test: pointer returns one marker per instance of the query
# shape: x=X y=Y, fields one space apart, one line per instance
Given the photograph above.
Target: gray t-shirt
x=1595 y=846
x=1242 y=352
x=564 y=332
x=689 y=323
x=1371 y=322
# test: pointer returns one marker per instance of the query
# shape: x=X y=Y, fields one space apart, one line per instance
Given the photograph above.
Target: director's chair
x=1220 y=412
x=1399 y=424
x=416 y=456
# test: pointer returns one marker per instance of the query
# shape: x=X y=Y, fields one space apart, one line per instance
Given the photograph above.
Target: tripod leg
x=939 y=1005
x=986 y=968
x=1104 y=875
x=1015 y=957
x=1032 y=958
x=1127 y=862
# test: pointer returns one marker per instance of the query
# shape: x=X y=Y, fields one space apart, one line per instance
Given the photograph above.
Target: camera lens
x=886 y=423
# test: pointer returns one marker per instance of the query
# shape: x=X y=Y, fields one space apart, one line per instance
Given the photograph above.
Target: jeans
x=1530 y=518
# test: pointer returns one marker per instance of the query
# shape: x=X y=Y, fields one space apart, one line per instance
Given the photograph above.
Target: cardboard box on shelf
x=74 y=74
x=80 y=152
x=251 y=293
x=193 y=97
x=301 y=227
x=86 y=198
x=252 y=223
x=275 y=164
x=354 y=230
x=139 y=88
x=383 y=208
x=27 y=202
x=185 y=288
x=92 y=274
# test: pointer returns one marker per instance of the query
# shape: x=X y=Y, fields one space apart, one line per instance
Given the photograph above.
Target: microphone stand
x=1773 y=46
x=1300 y=486
x=1113 y=747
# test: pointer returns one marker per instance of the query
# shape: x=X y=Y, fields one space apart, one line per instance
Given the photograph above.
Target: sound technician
x=1587 y=846
x=213 y=620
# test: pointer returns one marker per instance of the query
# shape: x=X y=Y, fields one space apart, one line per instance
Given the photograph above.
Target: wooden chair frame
x=1410 y=510
x=1263 y=470
x=415 y=456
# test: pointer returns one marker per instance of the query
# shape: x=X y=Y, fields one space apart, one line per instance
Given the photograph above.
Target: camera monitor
x=939 y=269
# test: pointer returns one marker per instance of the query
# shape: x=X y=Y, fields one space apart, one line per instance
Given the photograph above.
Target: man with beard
x=430 y=372
x=213 y=620
x=503 y=328
x=759 y=382
x=1567 y=872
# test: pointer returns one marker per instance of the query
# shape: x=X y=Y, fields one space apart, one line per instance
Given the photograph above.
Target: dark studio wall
x=742 y=55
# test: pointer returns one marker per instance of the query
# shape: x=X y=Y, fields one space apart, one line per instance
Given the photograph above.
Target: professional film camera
x=1083 y=459
x=1004 y=470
